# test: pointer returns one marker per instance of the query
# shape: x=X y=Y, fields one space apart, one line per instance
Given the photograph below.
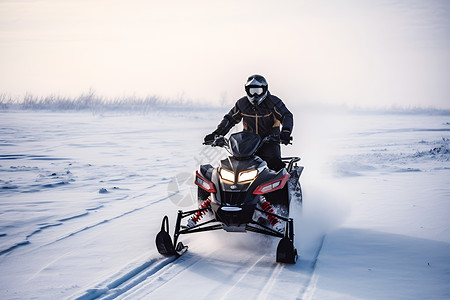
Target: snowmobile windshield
x=244 y=144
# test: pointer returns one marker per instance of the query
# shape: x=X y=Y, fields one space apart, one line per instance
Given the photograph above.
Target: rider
x=262 y=113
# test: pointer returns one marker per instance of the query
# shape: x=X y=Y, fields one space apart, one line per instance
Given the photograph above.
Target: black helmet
x=256 y=89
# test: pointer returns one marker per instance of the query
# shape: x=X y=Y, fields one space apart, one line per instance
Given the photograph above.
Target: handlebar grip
x=215 y=142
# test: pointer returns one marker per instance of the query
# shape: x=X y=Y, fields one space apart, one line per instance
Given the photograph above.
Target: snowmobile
x=241 y=194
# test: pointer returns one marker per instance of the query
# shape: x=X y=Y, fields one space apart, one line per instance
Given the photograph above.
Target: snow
x=83 y=195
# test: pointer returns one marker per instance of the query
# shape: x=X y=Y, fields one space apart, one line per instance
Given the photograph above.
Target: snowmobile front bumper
x=286 y=252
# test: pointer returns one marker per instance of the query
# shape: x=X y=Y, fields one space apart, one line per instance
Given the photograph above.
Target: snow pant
x=271 y=153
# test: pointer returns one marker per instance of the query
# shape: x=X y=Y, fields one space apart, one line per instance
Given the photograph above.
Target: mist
x=380 y=53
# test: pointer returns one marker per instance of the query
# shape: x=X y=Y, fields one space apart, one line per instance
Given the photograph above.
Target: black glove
x=209 y=138
x=220 y=141
x=285 y=137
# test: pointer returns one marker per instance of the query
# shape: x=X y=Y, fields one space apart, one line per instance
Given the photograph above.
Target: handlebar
x=221 y=141
x=275 y=138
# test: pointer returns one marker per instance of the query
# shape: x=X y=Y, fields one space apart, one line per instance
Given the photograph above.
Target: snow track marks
x=219 y=274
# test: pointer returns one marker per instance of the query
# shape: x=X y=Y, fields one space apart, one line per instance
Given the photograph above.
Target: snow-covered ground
x=82 y=197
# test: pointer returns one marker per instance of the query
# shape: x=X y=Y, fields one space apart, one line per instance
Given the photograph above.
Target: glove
x=220 y=141
x=285 y=137
x=209 y=138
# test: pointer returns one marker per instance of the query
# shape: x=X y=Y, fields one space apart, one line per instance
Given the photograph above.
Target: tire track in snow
x=186 y=263
x=148 y=276
x=111 y=287
x=142 y=280
x=158 y=279
x=271 y=282
x=309 y=289
x=242 y=277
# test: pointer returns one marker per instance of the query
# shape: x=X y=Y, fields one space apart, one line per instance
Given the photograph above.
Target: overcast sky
x=369 y=53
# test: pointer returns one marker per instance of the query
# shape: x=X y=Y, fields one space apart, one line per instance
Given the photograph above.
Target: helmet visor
x=255 y=91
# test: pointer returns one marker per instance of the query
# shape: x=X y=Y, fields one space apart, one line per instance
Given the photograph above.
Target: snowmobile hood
x=244 y=144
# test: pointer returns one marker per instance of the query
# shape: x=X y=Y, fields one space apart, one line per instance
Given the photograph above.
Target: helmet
x=256 y=89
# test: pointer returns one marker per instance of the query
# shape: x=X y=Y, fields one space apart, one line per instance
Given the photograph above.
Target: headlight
x=247 y=175
x=227 y=175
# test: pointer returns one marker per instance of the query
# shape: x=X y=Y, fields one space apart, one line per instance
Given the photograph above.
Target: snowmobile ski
x=164 y=242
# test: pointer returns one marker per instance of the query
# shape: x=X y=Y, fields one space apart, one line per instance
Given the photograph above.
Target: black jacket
x=263 y=119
